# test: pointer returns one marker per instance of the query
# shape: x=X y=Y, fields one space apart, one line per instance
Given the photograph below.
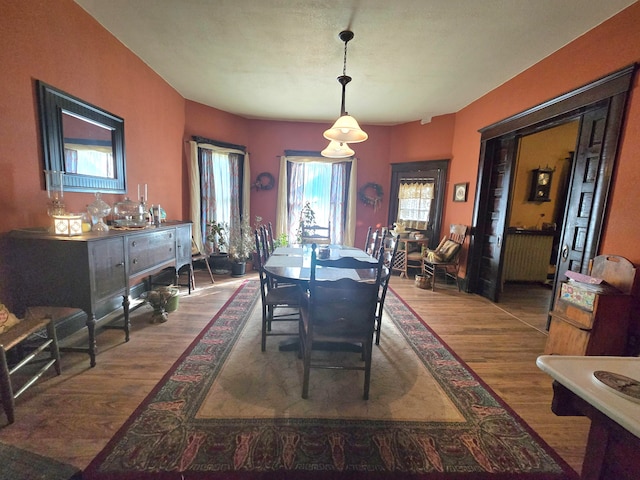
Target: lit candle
x=145 y=193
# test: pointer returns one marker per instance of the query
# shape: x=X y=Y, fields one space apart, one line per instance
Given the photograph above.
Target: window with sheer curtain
x=327 y=185
x=220 y=187
x=414 y=204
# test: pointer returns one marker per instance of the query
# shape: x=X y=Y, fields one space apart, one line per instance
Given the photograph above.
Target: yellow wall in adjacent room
x=549 y=148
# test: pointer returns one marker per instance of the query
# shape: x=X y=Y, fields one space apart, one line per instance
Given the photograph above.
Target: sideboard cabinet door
x=108 y=274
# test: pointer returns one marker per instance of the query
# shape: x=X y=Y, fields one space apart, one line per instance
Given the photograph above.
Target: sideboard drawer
x=148 y=250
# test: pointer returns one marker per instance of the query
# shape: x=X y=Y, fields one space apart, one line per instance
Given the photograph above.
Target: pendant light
x=337 y=150
x=346 y=129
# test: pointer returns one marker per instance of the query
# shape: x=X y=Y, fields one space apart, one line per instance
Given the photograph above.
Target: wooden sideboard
x=89 y=271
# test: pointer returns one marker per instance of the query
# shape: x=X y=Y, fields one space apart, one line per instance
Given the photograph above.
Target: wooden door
x=577 y=246
x=499 y=155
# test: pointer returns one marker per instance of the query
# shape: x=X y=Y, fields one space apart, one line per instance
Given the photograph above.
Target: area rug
x=226 y=410
x=16 y=464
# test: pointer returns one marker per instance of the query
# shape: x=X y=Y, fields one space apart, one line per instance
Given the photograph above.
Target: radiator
x=527 y=257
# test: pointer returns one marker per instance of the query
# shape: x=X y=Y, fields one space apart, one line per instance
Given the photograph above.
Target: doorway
x=544 y=162
x=430 y=171
x=599 y=109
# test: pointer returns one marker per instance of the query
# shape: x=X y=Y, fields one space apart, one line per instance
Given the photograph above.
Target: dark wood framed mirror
x=82 y=140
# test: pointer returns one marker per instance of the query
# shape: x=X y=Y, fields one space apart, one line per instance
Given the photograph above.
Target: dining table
x=292 y=265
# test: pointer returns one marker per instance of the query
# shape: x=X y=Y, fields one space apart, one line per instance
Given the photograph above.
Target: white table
x=614 y=437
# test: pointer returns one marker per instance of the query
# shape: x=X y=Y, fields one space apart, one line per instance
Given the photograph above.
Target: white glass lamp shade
x=68 y=225
x=346 y=130
x=337 y=150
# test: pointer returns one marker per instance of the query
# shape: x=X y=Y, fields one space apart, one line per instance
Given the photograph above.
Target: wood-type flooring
x=71 y=417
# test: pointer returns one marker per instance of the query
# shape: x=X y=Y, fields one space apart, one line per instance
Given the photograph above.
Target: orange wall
x=66 y=48
x=608 y=47
x=63 y=46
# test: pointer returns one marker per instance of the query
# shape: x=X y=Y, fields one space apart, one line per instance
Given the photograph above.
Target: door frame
x=613 y=89
x=409 y=169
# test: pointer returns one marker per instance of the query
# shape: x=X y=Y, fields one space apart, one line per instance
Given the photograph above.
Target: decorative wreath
x=371 y=194
x=264 y=181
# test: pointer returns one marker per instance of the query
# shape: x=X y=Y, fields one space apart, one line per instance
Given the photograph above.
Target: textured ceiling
x=279 y=59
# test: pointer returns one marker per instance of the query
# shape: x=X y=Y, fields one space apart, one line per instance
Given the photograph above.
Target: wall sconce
x=68 y=225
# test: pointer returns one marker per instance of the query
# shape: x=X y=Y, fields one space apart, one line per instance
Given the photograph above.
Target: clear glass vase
x=98 y=210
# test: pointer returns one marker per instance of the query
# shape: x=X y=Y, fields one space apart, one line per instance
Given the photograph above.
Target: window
x=217 y=173
x=326 y=185
x=414 y=203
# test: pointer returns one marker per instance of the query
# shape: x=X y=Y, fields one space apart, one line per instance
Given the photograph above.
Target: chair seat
x=330 y=324
x=12 y=338
x=283 y=295
x=414 y=256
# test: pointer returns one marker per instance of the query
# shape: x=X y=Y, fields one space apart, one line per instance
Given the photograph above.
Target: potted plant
x=217 y=234
x=163 y=300
x=307 y=219
x=241 y=247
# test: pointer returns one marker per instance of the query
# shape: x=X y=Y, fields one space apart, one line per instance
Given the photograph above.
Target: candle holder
x=55 y=192
x=68 y=225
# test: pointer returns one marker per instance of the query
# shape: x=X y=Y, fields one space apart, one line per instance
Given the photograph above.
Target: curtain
x=414 y=204
x=204 y=160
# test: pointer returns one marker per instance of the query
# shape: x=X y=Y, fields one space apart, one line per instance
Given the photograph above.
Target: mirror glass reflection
x=88 y=147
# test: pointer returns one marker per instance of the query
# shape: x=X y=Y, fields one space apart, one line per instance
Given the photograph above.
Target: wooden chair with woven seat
x=445 y=257
x=14 y=337
x=339 y=312
x=197 y=256
x=275 y=298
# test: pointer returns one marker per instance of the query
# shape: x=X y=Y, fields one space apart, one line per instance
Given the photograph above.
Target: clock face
x=543 y=178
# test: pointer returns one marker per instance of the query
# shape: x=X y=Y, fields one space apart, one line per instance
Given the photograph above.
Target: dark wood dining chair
x=316 y=234
x=389 y=251
x=270 y=239
x=368 y=239
x=339 y=312
x=275 y=298
x=372 y=243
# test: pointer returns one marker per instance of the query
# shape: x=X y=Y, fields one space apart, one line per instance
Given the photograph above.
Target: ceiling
x=279 y=59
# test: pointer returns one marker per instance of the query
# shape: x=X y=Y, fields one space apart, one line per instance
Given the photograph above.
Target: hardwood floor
x=73 y=416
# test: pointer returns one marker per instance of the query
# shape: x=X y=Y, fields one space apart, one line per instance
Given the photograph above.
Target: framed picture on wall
x=460 y=192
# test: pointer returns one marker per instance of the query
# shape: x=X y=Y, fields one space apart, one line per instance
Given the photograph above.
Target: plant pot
x=219 y=263
x=173 y=302
x=238 y=269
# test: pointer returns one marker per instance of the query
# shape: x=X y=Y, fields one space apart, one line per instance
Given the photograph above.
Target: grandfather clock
x=540 y=185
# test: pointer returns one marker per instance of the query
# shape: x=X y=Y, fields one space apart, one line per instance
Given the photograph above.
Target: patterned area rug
x=215 y=414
